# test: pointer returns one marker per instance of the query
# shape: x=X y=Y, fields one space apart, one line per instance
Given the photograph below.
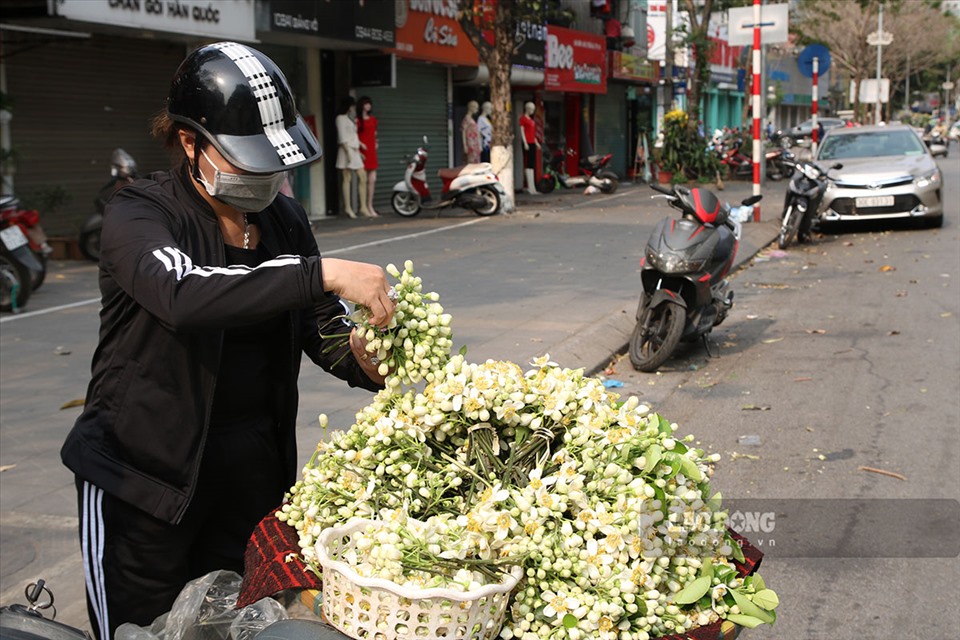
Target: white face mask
x=247 y=193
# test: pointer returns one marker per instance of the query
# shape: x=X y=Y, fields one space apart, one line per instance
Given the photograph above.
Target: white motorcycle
x=471 y=186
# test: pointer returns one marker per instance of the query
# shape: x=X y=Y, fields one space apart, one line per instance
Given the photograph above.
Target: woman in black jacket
x=212 y=286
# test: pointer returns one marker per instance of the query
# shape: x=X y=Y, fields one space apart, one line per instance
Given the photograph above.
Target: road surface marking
x=408 y=236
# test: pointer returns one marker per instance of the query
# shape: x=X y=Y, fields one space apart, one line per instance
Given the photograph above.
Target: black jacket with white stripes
x=167 y=297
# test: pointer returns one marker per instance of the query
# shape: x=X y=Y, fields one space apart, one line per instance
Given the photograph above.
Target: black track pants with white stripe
x=136 y=565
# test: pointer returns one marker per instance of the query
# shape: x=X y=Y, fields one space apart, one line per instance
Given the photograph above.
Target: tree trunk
x=501 y=95
x=855 y=98
x=498 y=60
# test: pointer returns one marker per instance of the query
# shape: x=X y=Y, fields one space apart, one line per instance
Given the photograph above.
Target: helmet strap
x=195 y=170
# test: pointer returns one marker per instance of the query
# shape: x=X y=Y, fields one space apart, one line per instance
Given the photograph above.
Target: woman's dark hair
x=345 y=105
x=167 y=132
x=361 y=103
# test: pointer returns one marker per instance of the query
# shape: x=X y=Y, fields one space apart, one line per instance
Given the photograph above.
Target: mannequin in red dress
x=367 y=132
x=528 y=131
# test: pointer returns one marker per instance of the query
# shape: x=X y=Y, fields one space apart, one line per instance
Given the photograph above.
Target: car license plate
x=13 y=237
x=874 y=201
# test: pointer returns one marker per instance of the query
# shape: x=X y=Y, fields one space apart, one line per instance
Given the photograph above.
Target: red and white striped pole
x=814 y=106
x=756 y=107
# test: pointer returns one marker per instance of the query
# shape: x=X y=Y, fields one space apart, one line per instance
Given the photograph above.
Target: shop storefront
x=576 y=77
x=723 y=99
x=320 y=43
x=631 y=95
x=429 y=44
x=84 y=81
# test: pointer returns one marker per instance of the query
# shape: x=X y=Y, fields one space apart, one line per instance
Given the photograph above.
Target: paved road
x=838 y=358
x=559 y=276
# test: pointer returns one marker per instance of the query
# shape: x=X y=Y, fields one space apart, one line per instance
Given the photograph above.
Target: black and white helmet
x=239 y=100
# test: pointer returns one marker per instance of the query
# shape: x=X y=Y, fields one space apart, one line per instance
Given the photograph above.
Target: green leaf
x=654 y=455
x=757 y=582
x=463 y=350
x=749 y=608
x=694 y=591
x=659 y=494
x=679 y=447
x=766 y=599
x=713 y=504
x=690 y=469
x=569 y=621
x=737 y=551
x=675 y=463
x=744 y=621
x=706 y=571
x=664 y=426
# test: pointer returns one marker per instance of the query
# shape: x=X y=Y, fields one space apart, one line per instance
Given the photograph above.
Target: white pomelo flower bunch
x=418 y=339
x=610 y=515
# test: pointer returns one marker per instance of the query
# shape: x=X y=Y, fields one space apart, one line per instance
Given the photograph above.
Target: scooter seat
x=594 y=159
x=450 y=174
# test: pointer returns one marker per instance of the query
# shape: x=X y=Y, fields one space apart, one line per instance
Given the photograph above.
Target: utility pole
x=668 y=61
x=876 y=113
x=906 y=99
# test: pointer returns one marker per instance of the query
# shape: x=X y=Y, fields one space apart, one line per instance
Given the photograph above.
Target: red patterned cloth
x=272 y=563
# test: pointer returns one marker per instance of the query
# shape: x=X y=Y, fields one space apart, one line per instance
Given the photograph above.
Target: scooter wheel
x=791 y=221
x=15 y=286
x=546 y=184
x=491 y=204
x=90 y=244
x=656 y=336
x=38 y=277
x=610 y=181
x=405 y=204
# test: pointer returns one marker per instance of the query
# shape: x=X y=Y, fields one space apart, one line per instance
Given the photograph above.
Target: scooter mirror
x=839 y=165
x=425 y=140
x=752 y=200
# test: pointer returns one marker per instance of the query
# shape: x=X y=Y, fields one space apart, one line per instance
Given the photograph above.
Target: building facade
x=83 y=77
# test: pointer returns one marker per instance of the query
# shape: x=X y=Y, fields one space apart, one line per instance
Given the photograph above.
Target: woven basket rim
x=510 y=579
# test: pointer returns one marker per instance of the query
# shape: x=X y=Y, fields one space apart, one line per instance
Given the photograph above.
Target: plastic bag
x=741 y=214
x=205 y=610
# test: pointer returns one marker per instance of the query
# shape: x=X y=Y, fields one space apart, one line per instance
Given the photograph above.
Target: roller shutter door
x=417 y=107
x=74 y=101
x=610 y=126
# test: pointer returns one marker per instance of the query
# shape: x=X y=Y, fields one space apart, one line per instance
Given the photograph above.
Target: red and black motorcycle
x=683 y=273
x=594 y=173
x=28 y=221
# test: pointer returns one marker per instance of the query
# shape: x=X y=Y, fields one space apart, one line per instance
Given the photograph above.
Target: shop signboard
x=626 y=66
x=531 y=44
x=530 y=36
x=368 y=22
x=429 y=30
x=216 y=19
x=576 y=61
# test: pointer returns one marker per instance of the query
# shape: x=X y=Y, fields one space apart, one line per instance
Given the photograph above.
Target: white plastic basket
x=378 y=609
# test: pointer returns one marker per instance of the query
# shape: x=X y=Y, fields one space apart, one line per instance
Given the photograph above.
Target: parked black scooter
x=802 y=201
x=123 y=171
x=685 y=292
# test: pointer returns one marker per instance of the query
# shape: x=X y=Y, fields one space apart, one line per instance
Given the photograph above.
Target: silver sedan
x=887 y=172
